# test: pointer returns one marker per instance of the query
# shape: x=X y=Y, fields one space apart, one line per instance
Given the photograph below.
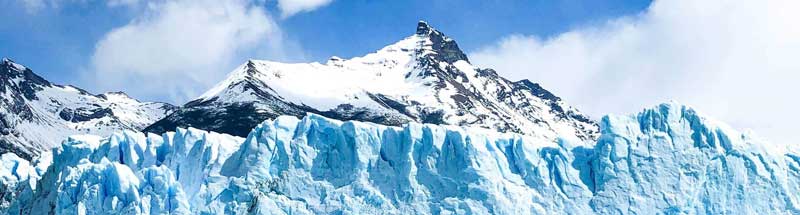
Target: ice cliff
x=665 y=160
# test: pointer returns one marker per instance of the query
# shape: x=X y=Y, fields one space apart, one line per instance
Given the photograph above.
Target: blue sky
x=58 y=41
x=352 y=28
x=732 y=59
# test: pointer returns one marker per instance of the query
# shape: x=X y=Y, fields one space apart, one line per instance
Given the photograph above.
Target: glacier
x=668 y=159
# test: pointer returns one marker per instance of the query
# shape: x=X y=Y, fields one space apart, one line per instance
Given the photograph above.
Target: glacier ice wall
x=327 y=166
x=665 y=160
x=671 y=160
x=128 y=173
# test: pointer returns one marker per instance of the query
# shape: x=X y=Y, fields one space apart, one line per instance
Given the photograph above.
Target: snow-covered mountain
x=36 y=114
x=423 y=78
x=665 y=160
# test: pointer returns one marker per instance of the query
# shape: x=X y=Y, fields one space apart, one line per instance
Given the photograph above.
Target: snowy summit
x=423 y=78
x=36 y=115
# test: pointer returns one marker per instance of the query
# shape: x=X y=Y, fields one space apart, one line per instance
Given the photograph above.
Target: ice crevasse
x=665 y=160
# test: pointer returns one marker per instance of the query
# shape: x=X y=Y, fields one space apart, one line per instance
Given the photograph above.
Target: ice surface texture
x=665 y=160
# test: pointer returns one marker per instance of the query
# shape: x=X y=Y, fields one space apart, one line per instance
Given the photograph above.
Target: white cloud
x=288 y=7
x=34 y=6
x=182 y=47
x=292 y=7
x=735 y=60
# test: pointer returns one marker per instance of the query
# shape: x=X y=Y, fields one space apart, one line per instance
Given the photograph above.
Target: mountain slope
x=423 y=78
x=36 y=114
x=665 y=160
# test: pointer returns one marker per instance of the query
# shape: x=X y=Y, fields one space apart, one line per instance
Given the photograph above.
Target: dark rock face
x=239 y=119
x=536 y=89
x=18 y=85
x=84 y=114
x=447 y=50
x=28 y=82
x=235 y=119
x=11 y=147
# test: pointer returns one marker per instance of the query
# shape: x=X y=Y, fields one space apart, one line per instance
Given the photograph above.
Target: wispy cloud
x=734 y=59
x=182 y=47
x=292 y=7
x=35 y=6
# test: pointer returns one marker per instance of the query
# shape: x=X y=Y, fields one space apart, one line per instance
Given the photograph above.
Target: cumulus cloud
x=292 y=7
x=735 y=60
x=180 y=48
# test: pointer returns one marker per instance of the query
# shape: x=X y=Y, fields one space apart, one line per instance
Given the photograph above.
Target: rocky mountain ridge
x=36 y=114
x=423 y=78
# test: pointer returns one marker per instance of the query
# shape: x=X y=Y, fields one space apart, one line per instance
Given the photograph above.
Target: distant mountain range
x=423 y=78
x=36 y=114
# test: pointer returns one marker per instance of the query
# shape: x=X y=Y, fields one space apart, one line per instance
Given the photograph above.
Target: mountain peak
x=422 y=28
x=12 y=64
x=37 y=114
x=422 y=78
x=23 y=77
x=444 y=48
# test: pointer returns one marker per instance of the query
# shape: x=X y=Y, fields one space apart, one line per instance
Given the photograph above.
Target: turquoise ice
x=665 y=160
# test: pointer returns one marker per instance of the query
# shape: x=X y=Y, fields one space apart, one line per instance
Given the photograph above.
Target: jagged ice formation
x=667 y=160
